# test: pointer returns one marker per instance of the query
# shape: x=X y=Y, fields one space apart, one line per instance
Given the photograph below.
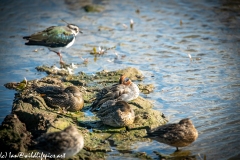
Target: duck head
x=124 y=80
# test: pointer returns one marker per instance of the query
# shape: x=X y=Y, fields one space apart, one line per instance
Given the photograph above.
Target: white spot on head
x=75 y=29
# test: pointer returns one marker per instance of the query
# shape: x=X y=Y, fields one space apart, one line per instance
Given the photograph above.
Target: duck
x=118 y=114
x=69 y=98
x=175 y=134
x=67 y=142
x=55 y=38
x=125 y=90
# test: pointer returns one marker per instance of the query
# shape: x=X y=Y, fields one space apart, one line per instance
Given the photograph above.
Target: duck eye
x=126 y=79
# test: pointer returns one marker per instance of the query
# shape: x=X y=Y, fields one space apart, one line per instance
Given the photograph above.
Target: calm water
x=205 y=89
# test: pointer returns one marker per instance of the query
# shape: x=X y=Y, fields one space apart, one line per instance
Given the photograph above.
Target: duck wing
x=49 y=90
x=109 y=93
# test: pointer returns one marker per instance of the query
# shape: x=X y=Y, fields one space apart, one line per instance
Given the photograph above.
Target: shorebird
x=55 y=38
x=68 y=141
x=69 y=98
x=125 y=90
x=176 y=134
x=118 y=114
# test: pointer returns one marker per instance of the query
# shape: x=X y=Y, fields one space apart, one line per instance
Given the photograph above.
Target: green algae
x=177 y=155
x=146 y=89
x=93 y=8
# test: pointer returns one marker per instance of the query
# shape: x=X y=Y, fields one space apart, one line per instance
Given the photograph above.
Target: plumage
x=126 y=90
x=118 y=114
x=177 y=134
x=68 y=141
x=54 y=37
x=69 y=98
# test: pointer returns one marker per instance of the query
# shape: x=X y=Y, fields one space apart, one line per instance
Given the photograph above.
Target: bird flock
x=111 y=103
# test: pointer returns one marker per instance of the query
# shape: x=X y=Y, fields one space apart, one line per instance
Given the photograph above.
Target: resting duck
x=125 y=90
x=69 y=98
x=118 y=114
x=68 y=141
x=177 y=134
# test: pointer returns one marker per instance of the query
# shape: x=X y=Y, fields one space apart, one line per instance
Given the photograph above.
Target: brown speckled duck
x=119 y=114
x=69 y=98
x=125 y=90
x=68 y=141
x=177 y=134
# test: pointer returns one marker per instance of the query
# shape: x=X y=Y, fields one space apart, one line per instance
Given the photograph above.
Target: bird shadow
x=98 y=126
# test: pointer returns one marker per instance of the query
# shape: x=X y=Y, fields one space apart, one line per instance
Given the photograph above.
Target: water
x=164 y=35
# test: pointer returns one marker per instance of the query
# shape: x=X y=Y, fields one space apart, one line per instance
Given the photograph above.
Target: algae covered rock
x=145 y=115
x=130 y=72
x=36 y=118
x=14 y=136
x=93 y=8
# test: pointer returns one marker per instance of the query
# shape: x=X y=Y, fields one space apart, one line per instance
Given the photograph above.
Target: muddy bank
x=31 y=117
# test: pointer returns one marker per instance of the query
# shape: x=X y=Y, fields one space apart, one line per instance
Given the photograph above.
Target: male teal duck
x=125 y=90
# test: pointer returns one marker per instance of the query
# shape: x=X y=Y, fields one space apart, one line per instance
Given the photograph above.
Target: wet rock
x=65 y=69
x=33 y=112
x=130 y=72
x=102 y=28
x=177 y=155
x=146 y=89
x=93 y=8
x=14 y=136
x=145 y=115
x=142 y=155
x=16 y=85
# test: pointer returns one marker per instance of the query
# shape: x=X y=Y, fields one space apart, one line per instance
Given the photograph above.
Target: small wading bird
x=68 y=141
x=69 y=98
x=117 y=114
x=125 y=90
x=55 y=38
x=176 y=134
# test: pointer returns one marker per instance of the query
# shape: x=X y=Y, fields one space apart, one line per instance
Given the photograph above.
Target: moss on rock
x=14 y=136
x=33 y=112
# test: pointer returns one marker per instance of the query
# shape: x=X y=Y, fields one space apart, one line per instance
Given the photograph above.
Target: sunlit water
x=165 y=34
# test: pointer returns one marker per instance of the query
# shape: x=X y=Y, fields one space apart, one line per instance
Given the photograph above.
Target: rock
x=132 y=73
x=34 y=117
x=14 y=136
x=146 y=89
x=93 y=8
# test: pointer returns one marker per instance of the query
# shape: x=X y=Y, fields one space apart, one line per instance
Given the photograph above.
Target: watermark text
x=38 y=155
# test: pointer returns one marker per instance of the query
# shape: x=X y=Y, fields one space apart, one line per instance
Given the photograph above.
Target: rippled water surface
x=205 y=88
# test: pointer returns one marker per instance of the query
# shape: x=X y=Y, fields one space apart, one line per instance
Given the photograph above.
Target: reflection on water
x=165 y=35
